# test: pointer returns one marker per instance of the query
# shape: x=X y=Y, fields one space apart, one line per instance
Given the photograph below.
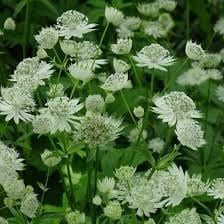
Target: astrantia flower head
x=213 y=74
x=149 y=9
x=123 y=46
x=67 y=46
x=154 y=56
x=95 y=103
x=219 y=26
x=125 y=173
x=186 y=216
x=50 y=159
x=176 y=185
x=73 y=24
x=124 y=33
x=156 y=144
x=166 y=21
x=131 y=23
x=209 y=60
x=168 y=5
x=113 y=210
x=97 y=200
x=196 y=186
x=220 y=219
x=44 y=123
x=29 y=205
x=174 y=107
x=9 y=24
x=150 y=221
x=193 y=76
x=116 y=82
x=75 y=217
x=97 y=130
x=55 y=90
x=47 y=38
x=189 y=134
x=16 y=104
x=120 y=66
x=220 y=93
x=41 y=53
x=216 y=189
x=14 y=188
x=194 y=51
x=155 y=29
x=31 y=72
x=139 y=111
x=106 y=185
x=64 y=110
x=114 y=16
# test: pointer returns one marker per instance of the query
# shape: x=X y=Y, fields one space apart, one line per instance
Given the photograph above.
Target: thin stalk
x=103 y=35
x=95 y=182
x=73 y=89
x=187 y=19
x=44 y=191
x=134 y=70
x=26 y=27
x=128 y=108
x=70 y=184
x=202 y=205
x=57 y=56
x=152 y=83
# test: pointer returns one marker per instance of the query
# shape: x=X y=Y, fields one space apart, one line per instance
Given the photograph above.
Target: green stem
x=26 y=27
x=152 y=83
x=44 y=191
x=134 y=70
x=128 y=108
x=95 y=182
x=202 y=205
x=187 y=19
x=73 y=89
x=103 y=35
x=70 y=184
x=57 y=56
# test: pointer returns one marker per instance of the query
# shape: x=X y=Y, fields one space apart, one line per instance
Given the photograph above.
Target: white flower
x=131 y=23
x=31 y=72
x=193 y=76
x=75 y=217
x=176 y=186
x=219 y=26
x=166 y=21
x=73 y=24
x=114 y=16
x=194 y=51
x=189 y=133
x=174 y=107
x=154 y=56
x=196 y=186
x=113 y=210
x=155 y=29
x=16 y=104
x=41 y=53
x=220 y=93
x=139 y=111
x=106 y=185
x=97 y=200
x=123 y=46
x=9 y=24
x=125 y=173
x=156 y=144
x=50 y=159
x=213 y=74
x=116 y=82
x=95 y=103
x=149 y=9
x=216 y=189
x=186 y=216
x=209 y=60
x=3 y=221
x=47 y=38
x=168 y=5
x=97 y=130
x=67 y=46
x=120 y=66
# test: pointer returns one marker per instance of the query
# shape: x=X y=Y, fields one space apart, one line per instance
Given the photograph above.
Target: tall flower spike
x=189 y=134
x=73 y=24
x=174 y=107
x=154 y=56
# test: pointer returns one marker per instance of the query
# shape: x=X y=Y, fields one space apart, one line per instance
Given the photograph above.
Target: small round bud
x=47 y=38
x=139 y=111
x=109 y=98
x=41 y=53
x=75 y=217
x=9 y=24
x=95 y=103
x=50 y=159
x=113 y=210
x=125 y=172
x=97 y=200
x=194 y=51
x=114 y=16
